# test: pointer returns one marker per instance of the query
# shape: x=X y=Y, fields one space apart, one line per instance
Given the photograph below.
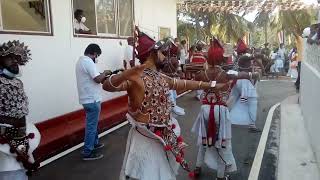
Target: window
x=25 y=16
x=125 y=17
x=164 y=32
x=104 y=17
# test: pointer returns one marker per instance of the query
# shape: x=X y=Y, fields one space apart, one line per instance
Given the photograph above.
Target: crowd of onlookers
x=312 y=33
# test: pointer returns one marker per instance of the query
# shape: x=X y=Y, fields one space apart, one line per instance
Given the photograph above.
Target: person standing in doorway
x=89 y=87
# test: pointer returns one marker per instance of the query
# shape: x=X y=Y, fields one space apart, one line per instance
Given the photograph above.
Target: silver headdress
x=16 y=48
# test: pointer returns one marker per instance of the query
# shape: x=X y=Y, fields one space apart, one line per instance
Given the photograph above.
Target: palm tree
x=263 y=20
x=186 y=31
x=293 y=22
x=229 y=27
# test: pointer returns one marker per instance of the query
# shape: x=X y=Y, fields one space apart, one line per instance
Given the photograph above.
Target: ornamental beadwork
x=156 y=103
x=17 y=48
x=13 y=100
x=211 y=97
x=156 y=100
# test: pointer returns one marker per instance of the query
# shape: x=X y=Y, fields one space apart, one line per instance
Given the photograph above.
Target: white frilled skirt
x=145 y=157
x=8 y=162
x=244 y=109
x=223 y=157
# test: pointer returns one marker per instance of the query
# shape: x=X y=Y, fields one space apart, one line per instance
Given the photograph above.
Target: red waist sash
x=213 y=129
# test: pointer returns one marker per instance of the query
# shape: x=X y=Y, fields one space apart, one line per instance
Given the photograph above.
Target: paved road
x=244 y=143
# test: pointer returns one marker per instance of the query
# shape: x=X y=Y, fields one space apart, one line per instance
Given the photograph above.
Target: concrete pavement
x=296 y=160
x=71 y=167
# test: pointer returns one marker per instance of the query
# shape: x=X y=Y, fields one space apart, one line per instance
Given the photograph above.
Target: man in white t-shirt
x=78 y=23
x=128 y=61
x=89 y=87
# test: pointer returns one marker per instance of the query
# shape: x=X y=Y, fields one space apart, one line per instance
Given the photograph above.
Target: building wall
x=150 y=15
x=310 y=98
x=49 y=78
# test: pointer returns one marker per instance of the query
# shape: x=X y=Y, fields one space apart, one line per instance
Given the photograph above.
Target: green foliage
x=226 y=27
x=293 y=22
x=229 y=27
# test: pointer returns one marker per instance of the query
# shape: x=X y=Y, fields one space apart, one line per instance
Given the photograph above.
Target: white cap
x=306 y=32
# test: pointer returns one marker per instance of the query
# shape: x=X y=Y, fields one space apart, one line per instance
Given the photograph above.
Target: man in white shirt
x=89 y=87
x=78 y=23
x=128 y=61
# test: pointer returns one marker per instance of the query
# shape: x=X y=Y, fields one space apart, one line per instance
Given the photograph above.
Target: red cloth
x=229 y=61
x=198 y=58
x=215 y=53
x=241 y=47
x=174 y=50
x=212 y=133
x=145 y=44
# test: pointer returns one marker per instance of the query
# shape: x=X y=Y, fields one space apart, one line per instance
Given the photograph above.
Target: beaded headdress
x=16 y=48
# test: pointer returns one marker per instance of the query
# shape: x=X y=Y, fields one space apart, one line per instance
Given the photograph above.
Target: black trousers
x=298 y=79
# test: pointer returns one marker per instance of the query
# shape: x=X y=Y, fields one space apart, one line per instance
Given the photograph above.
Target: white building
x=46 y=26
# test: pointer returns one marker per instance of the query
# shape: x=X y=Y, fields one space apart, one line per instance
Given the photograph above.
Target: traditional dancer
x=170 y=68
x=213 y=126
x=18 y=138
x=198 y=58
x=154 y=149
x=245 y=96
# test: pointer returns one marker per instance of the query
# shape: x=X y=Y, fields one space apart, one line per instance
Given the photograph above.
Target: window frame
x=105 y=35
x=115 y=2
x=159 y=33
x=133 y=20
x=21 y=32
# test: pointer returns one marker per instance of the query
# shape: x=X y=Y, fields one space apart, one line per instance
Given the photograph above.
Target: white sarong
x=145 y=157
x=216 y=157
x=244 y=110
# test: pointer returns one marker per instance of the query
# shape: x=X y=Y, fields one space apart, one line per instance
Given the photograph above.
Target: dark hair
x=78 y=12
x=91 y=49
x=183 y=42
x=199 y=47
x=130 y=40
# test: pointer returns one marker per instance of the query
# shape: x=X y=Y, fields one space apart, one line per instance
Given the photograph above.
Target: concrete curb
x=256 y=165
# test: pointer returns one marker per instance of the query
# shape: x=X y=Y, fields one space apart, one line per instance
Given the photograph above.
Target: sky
x=252 y=15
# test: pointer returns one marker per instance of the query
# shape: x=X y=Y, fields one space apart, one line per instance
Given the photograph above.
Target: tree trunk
x=197 y=27
x=266 y=32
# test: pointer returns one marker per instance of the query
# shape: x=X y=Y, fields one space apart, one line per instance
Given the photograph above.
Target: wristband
x=213 y=84
x=110 y=77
